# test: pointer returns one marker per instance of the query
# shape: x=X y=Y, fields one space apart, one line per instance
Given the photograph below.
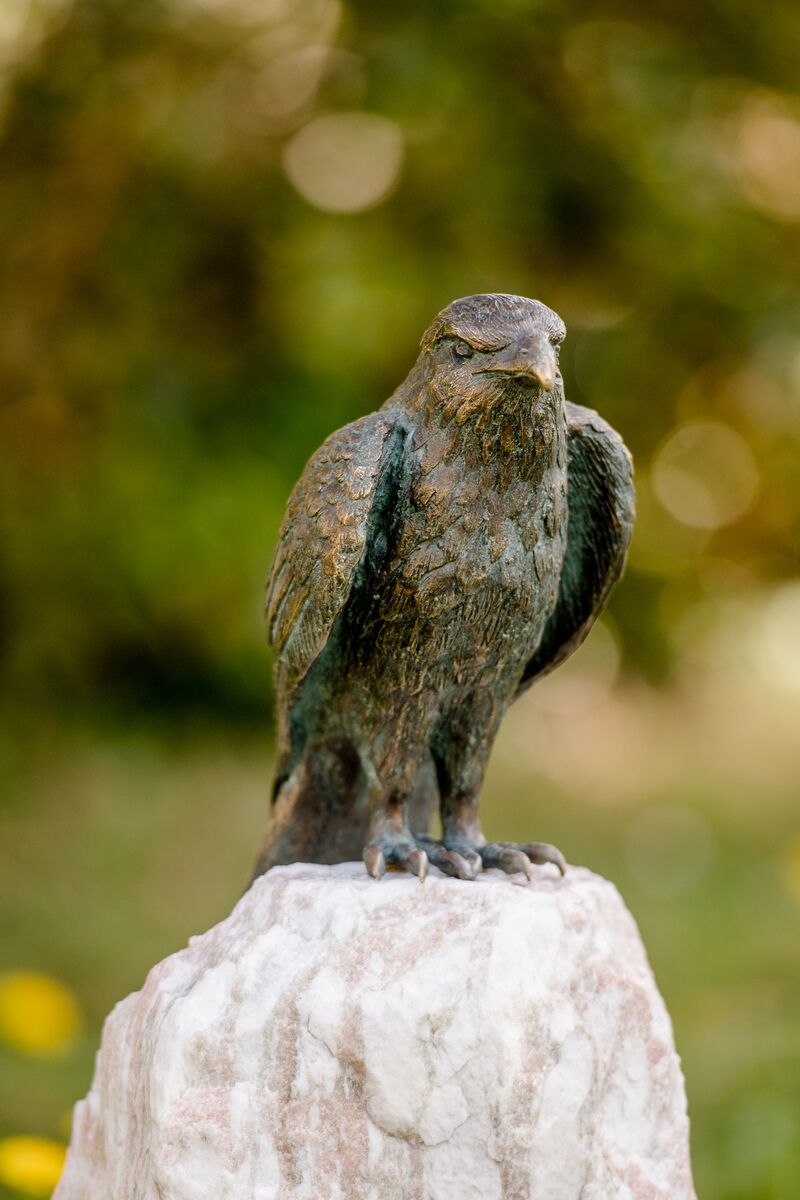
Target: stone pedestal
x=341 y=1039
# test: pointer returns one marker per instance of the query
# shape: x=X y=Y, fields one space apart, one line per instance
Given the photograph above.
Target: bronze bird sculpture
x=436 y=558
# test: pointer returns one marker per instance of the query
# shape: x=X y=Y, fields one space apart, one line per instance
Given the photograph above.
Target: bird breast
x=480 y=524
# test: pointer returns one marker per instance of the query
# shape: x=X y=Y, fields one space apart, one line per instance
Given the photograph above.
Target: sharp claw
x=543 y=852
x=507 y=859
x=474 y=864
x=417 y=863
x=453 y=863
x=374 y=861
x=527 y=867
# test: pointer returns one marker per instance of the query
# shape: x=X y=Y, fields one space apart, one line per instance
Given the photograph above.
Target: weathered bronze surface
x=436 y=558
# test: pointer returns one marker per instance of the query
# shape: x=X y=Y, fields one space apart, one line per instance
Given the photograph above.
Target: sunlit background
x=224 y=226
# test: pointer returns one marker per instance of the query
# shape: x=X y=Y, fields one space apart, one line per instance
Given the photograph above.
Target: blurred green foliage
x=195 y=289
x=179 y=328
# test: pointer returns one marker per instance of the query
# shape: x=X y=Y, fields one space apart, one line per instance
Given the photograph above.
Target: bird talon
x=453 y=863
x=466 y=862
x=472 y=863
x=375 y=861
x=543 y=852
x=458 y=864
x=514 y=859
x=417 y=863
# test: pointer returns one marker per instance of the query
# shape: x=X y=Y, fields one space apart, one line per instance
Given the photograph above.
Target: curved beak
x=531 y=360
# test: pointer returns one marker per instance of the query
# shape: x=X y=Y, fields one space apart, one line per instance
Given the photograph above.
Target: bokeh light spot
x=668 y=849
x=705 y=474
x=31 y=1165
x=345 y=162
x=39 y=1015
x=768 y=154
x=775 y=639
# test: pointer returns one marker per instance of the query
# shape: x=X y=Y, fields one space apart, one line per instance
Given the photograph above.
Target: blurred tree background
x=224 y=227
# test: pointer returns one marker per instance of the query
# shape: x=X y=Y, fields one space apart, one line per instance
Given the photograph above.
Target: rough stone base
x=341 y=1038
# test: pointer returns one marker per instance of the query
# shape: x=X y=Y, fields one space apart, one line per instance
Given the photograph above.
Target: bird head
x=483 y=348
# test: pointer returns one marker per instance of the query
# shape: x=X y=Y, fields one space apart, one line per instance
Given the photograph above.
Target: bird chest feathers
x=482 y=521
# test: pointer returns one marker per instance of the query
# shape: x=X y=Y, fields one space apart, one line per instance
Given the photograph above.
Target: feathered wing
x=600 y=501
x=322 y=542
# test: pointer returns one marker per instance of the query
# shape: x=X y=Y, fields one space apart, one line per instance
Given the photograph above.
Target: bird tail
x=321 y=809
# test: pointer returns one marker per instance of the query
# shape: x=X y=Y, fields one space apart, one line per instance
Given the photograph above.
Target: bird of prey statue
x=436 y=558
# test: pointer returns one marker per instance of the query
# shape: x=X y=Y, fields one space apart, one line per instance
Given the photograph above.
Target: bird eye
x=462 y=349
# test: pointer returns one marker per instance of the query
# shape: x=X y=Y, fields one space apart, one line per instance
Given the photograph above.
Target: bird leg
x=462 y=835
x=462 y=851
x=391 y=843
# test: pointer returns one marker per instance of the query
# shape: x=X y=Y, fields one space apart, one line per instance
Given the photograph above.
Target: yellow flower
x=30 y=1164
x=38 y=1014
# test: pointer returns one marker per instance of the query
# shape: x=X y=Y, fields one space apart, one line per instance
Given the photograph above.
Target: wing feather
x=322 y=542
x=600 y=501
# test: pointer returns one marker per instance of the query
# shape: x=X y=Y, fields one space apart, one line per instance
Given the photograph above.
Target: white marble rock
x=341 y=1039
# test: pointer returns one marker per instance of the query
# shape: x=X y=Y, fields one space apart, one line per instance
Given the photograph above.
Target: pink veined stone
x=338 y=1038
